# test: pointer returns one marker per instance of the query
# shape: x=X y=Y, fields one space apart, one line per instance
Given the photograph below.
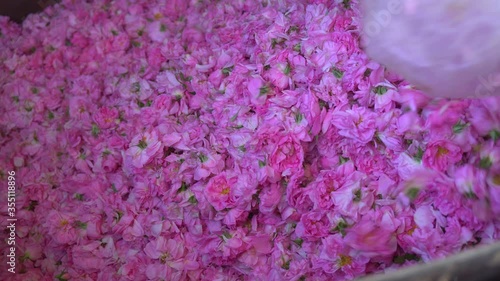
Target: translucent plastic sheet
x=447 y=48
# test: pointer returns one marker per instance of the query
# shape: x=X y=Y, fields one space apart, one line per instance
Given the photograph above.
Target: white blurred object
x=447 y=48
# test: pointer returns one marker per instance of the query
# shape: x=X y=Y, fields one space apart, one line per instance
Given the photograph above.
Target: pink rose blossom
x=357 y=124
x=142 y=148
x=219 y=191
x=286 y=158
x=312 y=226
x=440 y=154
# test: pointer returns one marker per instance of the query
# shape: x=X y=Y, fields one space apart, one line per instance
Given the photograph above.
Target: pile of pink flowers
x=231 y=140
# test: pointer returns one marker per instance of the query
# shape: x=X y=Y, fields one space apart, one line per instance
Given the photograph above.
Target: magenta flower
x=357 y=124
x=313 y=226
x=142 y=148
x=287 y=157
x=232 y=140
x=62 y=228
x=372 y=238
x=106 y=117
x=219 y=190
x=439 y=155
x=258 y=91
x=336 y=256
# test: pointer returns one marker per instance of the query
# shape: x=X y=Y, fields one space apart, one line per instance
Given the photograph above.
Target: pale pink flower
x=372 y=237
x=439 y=155
x=258 y=91
x=142 y=148
x=357 y=124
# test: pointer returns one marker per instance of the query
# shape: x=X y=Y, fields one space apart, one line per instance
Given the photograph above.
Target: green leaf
x=183 y=187
x=32 y=206
x=286 y=265
x=140 y=104
x=298 y=117
x=185 y=78
x=136 y=44
x=337 y=72
x=485 y=163
x=34 y=90
x=323 y=104
x=399 y=260
x=203 y=158
x=418 y=156
x=411 y=257
x=242 y=148
x=95 y=130
x=297 y=47
x=135 y=88
x=79 y=196
x=227 y=70
x=263 y=90
x=142 y=144
x=67 y=42
x=458 y=128
x=234 y=117
x=60 y=276
x=298 y=241
x=262 y=163
x=50 y=115
x=163 y=27
x=274 y=42
x=412 y=192
x=494 y=135
x=341 y=227
x=343 y=160
x=192 y=200
x=357 y=195
x=81 y=225
x=288 y=69
x=114 y=32
x=293 y=28
x=406 y=257
x=346 y=4
x=83 y=156
x=380 y=90
x=25 y=257
x=471 y=195
x=118 y=215
x=267 y=67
